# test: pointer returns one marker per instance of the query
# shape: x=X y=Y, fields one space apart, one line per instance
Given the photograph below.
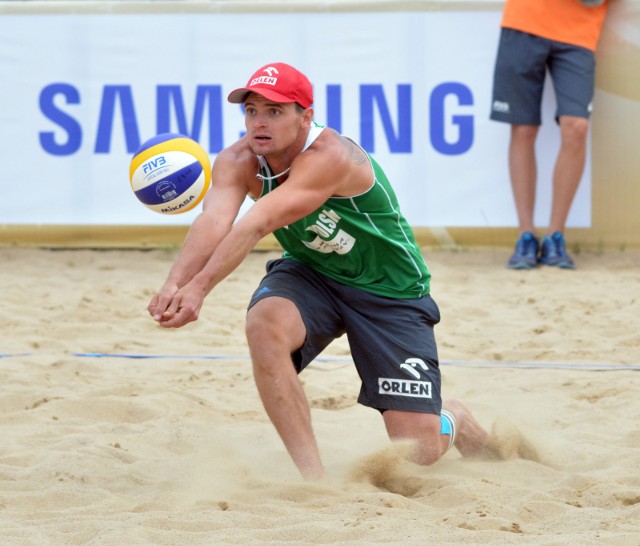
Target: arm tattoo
x=356 y=153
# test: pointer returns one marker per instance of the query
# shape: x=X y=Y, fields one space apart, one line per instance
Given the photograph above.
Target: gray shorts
x=521 y=66
x=392 y=340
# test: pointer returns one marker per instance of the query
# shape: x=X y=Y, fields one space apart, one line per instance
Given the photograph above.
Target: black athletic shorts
x=392 y=340
x=521 y=66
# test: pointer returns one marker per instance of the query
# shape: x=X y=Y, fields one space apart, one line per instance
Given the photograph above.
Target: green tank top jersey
x=362 y=241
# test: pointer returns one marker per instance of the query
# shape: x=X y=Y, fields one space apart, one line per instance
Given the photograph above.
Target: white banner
x=80 y=92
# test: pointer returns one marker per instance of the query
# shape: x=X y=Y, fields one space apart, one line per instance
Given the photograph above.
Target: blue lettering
x=64 y=120
x=242 y=132
x=211 y=95
x=153 y=164
x=450 y=132
x=334 y=107
x=463 y=123
x=110 y=95
x=371 y=95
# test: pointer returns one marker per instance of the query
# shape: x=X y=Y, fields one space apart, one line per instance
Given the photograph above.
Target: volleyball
x=170 y=173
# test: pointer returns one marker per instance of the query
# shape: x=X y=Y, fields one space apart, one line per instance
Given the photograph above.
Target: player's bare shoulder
x=236 y=163
x=342 y=147
x=345 y=162
x=239 y=153
x=356 y=154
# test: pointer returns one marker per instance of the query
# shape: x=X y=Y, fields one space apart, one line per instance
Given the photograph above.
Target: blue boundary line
x=468 y=364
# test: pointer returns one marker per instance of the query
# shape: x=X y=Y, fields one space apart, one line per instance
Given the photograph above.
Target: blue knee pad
x=445 y=425
x=448 y=425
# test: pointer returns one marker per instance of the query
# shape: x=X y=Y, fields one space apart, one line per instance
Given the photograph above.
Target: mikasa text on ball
x=170 y=173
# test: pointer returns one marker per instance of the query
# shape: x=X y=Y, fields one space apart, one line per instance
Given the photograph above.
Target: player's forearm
x=200 y=243
x=227 y=256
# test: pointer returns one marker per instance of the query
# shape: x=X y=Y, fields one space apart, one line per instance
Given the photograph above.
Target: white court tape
x=462 y=363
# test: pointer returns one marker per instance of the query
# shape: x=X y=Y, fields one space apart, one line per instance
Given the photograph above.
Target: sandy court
x=99 y=447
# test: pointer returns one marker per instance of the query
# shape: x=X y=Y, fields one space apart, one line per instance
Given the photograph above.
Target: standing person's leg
x=568 y=169
x=573 y=74
x=519 y=76
x=523 y=172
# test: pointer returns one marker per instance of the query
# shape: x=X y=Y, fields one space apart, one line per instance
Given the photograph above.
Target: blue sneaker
x=525 y=255
x=554 y=252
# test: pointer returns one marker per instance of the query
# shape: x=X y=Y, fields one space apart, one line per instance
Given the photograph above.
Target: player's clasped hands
x=173 y=307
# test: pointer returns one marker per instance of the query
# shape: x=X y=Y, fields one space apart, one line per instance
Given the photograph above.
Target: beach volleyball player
x=350 y=266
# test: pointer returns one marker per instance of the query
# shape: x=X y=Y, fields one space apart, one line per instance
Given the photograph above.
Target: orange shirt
x=567 y=21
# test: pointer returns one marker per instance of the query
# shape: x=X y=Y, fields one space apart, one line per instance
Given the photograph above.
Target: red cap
x=278 y=82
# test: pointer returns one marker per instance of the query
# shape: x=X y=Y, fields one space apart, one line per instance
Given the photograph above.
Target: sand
x=101 y=446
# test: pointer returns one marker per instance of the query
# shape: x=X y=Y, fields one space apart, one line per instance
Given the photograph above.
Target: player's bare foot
x=471 y=438
x=504 y=442
x=507 y=442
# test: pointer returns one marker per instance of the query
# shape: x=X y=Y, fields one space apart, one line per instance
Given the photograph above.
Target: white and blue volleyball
x=170 y=173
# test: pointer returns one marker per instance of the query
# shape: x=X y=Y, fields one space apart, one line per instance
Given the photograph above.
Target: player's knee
x=252 y=327
x=524 y=134
x=422 y=431
x=427 y=453
x=261 y=323
x=574 y=130
x=274 y=324
x=253 y=331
